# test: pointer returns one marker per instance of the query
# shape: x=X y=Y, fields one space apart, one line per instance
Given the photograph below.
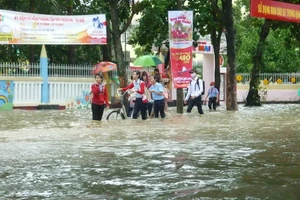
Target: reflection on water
x=250 y=154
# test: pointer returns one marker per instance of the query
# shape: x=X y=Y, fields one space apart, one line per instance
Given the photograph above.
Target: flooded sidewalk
x=250 y=154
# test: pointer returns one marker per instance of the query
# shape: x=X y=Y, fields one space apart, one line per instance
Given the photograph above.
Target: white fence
x=26 y=92
x=267 y=78
x=60 y=92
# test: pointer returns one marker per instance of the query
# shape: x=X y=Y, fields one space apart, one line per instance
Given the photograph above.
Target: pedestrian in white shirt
x=193 y=96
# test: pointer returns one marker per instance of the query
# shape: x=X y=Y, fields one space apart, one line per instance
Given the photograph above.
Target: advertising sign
x=181 y=46
x=30 y=28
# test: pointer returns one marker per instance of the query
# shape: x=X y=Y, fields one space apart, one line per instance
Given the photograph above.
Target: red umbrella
x=104 y=67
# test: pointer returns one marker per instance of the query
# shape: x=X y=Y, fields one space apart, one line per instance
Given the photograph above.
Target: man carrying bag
x=195 y=90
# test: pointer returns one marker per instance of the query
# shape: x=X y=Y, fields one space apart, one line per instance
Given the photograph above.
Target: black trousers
x=198 y=102
x=159 y=107
x=149 y=108
x=129 y=111
x=213 y=101
x=139 y=106
x=97 y=111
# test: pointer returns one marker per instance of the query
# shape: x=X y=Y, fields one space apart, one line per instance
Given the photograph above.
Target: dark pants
x=129 y=111
x=213 y=101
x=198 y=102
x=139 y=106
x=149 y=108
x=159 y=106
x=97 y=111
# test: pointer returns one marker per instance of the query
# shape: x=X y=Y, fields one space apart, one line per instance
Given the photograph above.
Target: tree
x=216 y=33
x=253 y=98
x=280 y=52
x=153 y=27
x=231 y=101
x=71 y=48
x=207 y=20
x=121 y=13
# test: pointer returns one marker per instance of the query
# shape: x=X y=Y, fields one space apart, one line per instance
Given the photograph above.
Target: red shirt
x=100 y=96
x=131 y=85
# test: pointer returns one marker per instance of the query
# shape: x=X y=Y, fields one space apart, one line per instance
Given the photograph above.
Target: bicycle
x=119 y=110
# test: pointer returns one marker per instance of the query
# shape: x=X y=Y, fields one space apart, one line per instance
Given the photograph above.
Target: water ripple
x=249 y=154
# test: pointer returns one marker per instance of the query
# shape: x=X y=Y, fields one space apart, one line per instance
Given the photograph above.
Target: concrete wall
x=271 y=92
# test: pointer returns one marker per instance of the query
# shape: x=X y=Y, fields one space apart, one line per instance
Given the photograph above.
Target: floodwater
x=250 y=154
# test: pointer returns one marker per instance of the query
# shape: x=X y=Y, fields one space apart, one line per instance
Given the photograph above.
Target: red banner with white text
x=275 y=10
x=181 y=62
x=181 y=46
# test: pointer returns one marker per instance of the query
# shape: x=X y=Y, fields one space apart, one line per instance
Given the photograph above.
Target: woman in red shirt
x=100 y=98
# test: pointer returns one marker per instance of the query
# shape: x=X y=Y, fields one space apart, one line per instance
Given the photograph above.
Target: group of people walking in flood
x=149 y=97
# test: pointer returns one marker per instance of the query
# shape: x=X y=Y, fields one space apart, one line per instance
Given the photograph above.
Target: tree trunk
x=106 y=49
x=231 y=99
x=216 y=40
x=116 y=34
x=71 y=48
x=179 y=4
x=217 y=62
x=253 y=98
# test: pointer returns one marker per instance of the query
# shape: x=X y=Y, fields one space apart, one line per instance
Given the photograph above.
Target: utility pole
x=179 y=91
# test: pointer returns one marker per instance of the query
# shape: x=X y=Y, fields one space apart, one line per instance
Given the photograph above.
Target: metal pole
x=179 y=91
x=125 y=47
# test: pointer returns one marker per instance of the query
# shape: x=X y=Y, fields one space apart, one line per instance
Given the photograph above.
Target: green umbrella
x=147 y=61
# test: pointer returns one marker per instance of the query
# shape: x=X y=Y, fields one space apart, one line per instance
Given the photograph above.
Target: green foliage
x=203 y=19
x=140 y=51
x=153 y=24
x=281 y=51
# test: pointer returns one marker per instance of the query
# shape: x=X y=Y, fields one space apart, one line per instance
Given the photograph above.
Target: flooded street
x=250 y=154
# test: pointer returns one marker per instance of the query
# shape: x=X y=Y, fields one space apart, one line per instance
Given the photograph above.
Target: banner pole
x=179 y=91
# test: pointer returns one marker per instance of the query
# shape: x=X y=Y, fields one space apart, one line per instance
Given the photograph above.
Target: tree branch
x=133 y=12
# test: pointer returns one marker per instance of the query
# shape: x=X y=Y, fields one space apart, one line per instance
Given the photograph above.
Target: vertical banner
x=181 y=46
x=6 y=95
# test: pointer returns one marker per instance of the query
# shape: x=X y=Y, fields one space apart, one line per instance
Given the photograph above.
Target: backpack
x=203 y=85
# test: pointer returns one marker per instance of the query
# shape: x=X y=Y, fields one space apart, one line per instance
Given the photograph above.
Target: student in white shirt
x=193 y=96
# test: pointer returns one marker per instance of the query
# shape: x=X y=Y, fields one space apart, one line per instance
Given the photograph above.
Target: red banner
x=275 y=10
x=181 y=62
x=181 y=46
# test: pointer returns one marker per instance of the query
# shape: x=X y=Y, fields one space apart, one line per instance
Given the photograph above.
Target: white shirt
x=193 y=89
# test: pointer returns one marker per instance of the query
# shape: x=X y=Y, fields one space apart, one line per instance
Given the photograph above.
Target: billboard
x=181 y=46
x=275 y=10
x=30 y=28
